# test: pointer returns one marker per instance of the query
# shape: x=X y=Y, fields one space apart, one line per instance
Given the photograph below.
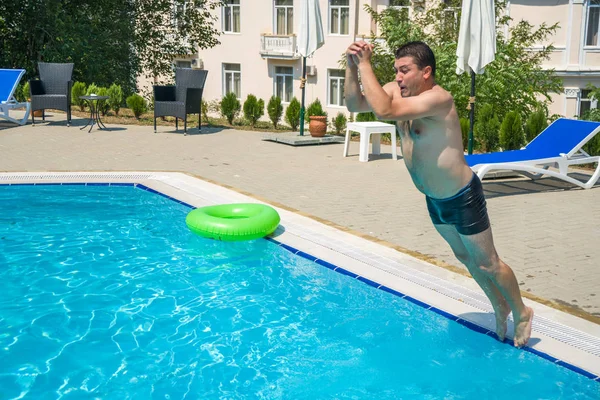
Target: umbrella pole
x=471 y=112
x=302 y=84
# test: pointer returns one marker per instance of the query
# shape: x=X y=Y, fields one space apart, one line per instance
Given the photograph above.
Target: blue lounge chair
x=559 y=145
x=9 y=80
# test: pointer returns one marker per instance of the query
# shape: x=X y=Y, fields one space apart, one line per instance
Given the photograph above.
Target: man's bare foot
x=523 y=328
x=501 y=317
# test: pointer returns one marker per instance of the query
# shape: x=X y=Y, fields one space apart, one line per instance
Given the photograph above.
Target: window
x=284 y=83
x=593 y=23
x=336 y=87
x=450 y=16
x=585 y=103
x=232 y=79
x=231 y=16
x=403 y=6
x=183 y=64
x=284 y=17
x=339 y=17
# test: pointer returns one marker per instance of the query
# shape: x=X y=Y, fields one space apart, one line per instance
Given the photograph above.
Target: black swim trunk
x=466 y=210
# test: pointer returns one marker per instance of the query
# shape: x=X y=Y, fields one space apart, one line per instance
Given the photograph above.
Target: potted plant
x=318 y=119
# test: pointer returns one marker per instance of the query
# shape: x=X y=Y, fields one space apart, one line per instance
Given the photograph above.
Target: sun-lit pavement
x=548 y=231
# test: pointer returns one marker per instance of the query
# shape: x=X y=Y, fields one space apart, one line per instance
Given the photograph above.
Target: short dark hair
x=420 y=52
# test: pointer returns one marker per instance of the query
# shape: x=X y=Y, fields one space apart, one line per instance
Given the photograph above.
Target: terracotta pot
x=317 y=126
x=36 y=113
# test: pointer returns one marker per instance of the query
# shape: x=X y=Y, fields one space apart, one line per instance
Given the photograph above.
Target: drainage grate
x=71 y=176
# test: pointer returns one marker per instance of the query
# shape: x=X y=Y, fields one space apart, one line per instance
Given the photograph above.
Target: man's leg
x=482 y=253
x=501 y=307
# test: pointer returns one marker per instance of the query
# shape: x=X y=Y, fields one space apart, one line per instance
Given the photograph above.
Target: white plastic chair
x=366 y=130
x=9 y=80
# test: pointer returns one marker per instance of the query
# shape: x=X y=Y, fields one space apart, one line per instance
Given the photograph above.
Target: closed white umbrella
x=476 y=46
x=310 y=39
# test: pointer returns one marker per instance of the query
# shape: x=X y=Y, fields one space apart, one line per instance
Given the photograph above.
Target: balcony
x=278 y=46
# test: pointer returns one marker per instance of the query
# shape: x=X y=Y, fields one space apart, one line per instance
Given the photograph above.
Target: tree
x=514 y=81
x=109 y=41
x=164 y=31
x=95 y=36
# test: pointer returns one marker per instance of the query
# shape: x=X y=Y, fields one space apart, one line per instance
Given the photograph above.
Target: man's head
x=415 y=68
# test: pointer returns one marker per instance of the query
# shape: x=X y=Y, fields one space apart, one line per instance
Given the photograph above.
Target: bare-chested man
x=432 y=148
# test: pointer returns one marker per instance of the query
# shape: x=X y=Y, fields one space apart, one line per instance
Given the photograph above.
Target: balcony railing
x=278 y=46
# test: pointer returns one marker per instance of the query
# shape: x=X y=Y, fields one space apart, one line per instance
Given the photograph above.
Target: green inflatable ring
x=233 y=222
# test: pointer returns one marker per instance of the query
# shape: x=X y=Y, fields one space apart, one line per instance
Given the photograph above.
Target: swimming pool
x=106 y=292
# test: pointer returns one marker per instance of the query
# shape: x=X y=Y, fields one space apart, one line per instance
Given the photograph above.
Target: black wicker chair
x=182 y=99
x=52 y=90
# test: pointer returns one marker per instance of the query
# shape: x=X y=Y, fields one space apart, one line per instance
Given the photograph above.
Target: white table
x=366 y=130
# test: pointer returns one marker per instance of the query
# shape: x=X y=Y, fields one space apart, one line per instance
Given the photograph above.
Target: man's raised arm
x=355 y=101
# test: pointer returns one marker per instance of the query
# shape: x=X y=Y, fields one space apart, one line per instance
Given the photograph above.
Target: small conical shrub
x=275 y=110
x=230 y=107
x=535 y=124
x=487 y=128
x=115 y=94
x=292 y=114
x=253 y=109
x=511 y=132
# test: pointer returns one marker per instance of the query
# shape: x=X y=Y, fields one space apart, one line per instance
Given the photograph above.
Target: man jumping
x=431 y=142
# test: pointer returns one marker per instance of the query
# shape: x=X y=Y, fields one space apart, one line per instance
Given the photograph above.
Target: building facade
x=576 y=58
x=257 y=54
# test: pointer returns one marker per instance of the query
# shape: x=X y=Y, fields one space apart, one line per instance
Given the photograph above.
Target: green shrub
x=92 y=89
x=464 y=129
x=137 y=104
x=115 y=94
x=103 y=105
x=25 y=93
x=536 y=123
x=366 y=117
x=315 y=109
x=487 y=128
x=512 y=136
x=230 y=107
x=292 y=114
x=78 y=89
x=339 y=123
x=593 y=146
x=204 y=110
x=253 y=109
x=20 y=94
x=275 y=110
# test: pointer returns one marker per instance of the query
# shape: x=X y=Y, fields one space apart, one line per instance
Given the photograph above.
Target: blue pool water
x=104 y=293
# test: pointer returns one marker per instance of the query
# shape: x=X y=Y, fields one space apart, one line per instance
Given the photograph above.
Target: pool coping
x=559 y=337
